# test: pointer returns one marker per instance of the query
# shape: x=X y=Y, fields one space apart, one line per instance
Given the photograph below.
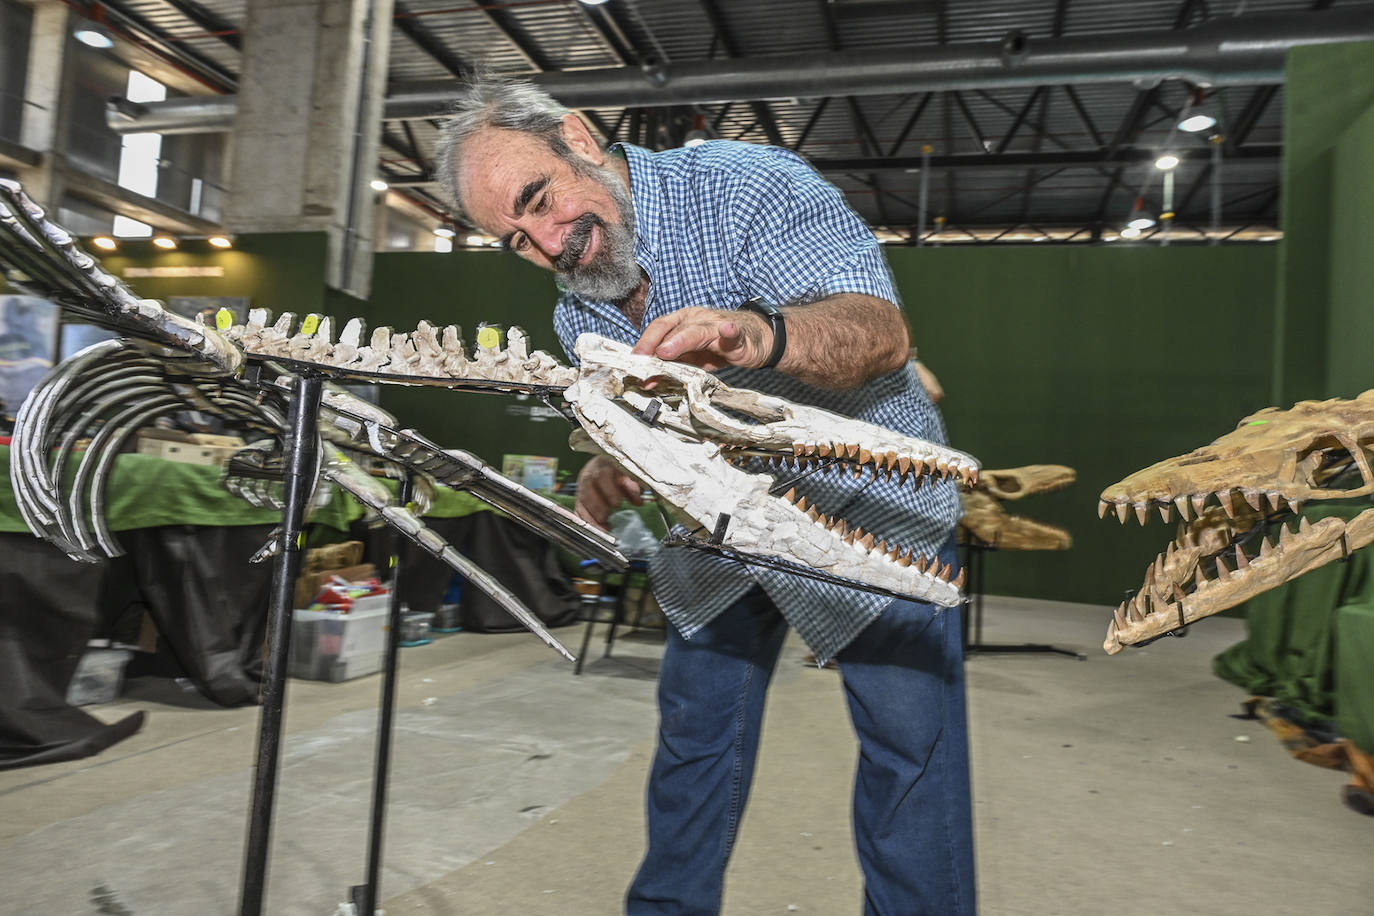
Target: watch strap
x=773 y=314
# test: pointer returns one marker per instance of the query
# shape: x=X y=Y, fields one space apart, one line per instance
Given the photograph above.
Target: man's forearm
x=843 y=341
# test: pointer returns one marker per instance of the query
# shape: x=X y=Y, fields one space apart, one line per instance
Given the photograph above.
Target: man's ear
x=581 y=141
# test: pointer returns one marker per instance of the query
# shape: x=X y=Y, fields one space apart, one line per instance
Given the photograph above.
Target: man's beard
x=612 y=273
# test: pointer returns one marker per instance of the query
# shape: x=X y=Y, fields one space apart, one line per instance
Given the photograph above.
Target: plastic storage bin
x=334 y=646
x=99 y=676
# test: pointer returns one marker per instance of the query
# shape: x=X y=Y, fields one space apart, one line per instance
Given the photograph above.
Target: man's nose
x=548 y=237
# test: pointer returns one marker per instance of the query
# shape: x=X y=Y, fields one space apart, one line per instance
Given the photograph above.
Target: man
x=663 y=250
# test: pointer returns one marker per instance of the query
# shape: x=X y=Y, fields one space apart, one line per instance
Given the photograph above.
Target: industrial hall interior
x=592 y=457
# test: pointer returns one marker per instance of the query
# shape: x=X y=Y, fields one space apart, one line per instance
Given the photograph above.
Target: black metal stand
x=364 y=896
x=300 y=471
x=975 y=552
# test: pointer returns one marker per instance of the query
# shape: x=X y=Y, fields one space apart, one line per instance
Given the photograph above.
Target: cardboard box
x=332 y=556
x=308 y=584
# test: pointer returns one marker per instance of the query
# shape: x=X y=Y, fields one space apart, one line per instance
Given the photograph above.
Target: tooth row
x=889 y=464
x=1152 y=599
x=870 y=544
x=429 y=351
x=1192 y=506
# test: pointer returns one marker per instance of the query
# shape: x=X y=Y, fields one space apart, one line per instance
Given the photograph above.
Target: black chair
x=595 y=604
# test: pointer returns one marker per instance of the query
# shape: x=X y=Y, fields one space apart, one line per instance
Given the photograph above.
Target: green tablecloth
x=148 y=492
x=1310 y=643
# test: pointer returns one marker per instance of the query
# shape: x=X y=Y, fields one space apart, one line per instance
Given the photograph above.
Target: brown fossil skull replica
x=986 y=521
x=1235 y=498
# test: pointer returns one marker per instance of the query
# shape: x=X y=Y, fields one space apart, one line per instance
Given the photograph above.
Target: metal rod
x=365 y=896
x=925 y=196
x=1215 y=234
x=300 y=474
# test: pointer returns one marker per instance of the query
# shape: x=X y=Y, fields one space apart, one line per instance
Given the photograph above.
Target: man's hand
x=601 y=486
x=709 y=338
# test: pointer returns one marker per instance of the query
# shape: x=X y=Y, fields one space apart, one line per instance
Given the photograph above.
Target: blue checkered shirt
x=715 y=225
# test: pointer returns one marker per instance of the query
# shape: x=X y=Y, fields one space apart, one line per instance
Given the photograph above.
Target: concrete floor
x=1112 y=785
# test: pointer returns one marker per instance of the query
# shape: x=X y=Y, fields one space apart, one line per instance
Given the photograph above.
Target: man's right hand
x=601 y=487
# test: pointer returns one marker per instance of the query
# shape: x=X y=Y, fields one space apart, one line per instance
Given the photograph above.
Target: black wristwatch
x=774 y=315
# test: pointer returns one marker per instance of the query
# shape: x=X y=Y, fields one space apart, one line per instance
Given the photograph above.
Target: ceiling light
x=1140 y=222
x=378 y=185
x=104 y=242
x=1130 y=232
x=444 y=232
x=220 y=241
x=593 y=2
x=94 y=38
x=1166 y=162
x=476 y=241
x=1197 y=122
x=163 y=241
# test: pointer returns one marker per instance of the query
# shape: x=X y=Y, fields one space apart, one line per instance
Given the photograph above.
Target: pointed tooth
x=904 y=465
x=904 y=559
x=1120 y=617
x=811 y=450
x=1101 y=508
x=1266 y=548
x=790 y=495
x=945 y=572
x=1303 y=524
x=1254 y=498
x=801 y=504
x=1284 y=534
x=1123 y=512
x=1273 y=500
x=865 y=456
x=921 y=563
x=1224 y=497
x=881 y=547
x=1181 y=503
x=1198 y=576
x=1223 y=571
x=352 y=333
x=930 y=465
x=797 y=449
x=1199 y=500
x=823 y=450
x=1142 y=513
x=851 y=451
x=1166 y=512
x=890 y=460
x=812 y=514
x=867 y=541
x=1295 y=506
x=1242 y=560
x=961 y=578
x=842 y=528
x=1178 y=592
x=1170 y=550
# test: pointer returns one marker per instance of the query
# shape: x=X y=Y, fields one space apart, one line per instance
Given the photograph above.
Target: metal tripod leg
x=976 y=563
x=300 y=471
x=364 y=896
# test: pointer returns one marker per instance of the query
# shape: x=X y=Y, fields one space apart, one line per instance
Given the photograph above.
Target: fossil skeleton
x=682 y=438
x=1236 y=499
x=986 y=522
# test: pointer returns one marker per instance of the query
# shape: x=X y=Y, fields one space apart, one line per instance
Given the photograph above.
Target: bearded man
x=741 y=259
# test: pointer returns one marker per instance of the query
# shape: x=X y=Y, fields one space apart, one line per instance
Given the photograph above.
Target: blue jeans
x=904 y=680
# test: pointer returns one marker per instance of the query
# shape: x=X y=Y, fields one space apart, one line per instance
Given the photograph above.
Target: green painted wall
x=1104 y=359
x=281 y=271
x=1329 y=88
x=1350 y=351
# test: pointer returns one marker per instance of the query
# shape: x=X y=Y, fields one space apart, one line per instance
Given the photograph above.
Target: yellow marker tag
x=489 y=338
x=310 y=325
x=224 y=319
x=393 y=561
x=300 y=540
x=411 y=507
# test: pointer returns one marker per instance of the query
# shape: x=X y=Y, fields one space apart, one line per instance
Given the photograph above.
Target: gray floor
x=1112 y=785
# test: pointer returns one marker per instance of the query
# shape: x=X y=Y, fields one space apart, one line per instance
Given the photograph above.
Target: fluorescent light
x=220 y=241
x=163 y=241
x=1197 y=122
x=126 y=228
x=593 y=2
x=443 y=245
x=378 y=185
x=444 y=232
x=1166 y=162
x=1139 y=223
x=104 y=242
x=93 y=38
x=1130 y=232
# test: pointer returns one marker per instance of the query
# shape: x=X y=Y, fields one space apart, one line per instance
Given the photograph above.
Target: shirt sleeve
x=798 y=239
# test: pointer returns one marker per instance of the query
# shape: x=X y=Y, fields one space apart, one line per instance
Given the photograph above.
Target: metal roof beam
x=413 y=29
x=727 y=41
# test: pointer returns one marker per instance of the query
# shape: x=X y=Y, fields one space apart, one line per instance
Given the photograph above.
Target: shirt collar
x=648 y=200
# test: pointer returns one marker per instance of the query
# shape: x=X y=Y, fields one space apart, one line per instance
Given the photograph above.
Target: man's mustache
x=578 y=239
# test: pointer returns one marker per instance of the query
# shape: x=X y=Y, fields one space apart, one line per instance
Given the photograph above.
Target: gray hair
x=492 y=101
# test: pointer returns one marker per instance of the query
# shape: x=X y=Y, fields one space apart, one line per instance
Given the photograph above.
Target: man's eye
x=542 y=204
x=519 y=243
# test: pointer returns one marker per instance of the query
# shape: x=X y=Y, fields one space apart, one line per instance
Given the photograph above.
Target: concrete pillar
x=307 y=127
x=40 y=128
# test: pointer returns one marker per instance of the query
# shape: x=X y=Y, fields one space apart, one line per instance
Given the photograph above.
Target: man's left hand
x=709 y=338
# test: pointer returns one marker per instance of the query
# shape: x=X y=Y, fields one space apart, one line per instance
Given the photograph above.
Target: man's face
x=572 y=216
